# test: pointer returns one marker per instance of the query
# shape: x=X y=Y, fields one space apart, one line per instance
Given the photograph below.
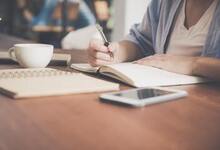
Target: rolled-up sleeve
x=144 y=34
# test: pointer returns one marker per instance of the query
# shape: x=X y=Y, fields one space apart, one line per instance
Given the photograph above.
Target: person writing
x=181 y=36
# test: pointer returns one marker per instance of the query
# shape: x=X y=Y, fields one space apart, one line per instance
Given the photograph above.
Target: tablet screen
x=143 y=93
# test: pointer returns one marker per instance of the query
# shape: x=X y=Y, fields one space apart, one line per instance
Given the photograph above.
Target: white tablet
x=144 y=96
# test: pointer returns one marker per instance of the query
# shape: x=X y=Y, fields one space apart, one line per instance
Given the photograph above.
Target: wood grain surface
x=83 y=122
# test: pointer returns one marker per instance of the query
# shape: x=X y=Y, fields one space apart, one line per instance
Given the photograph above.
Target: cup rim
x=26 y=45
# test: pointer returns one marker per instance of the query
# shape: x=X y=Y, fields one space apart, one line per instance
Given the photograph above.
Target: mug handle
x=11 y=52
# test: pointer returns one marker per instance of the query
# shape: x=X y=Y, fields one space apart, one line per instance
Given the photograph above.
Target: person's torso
x=165 y=14
x=190 y=42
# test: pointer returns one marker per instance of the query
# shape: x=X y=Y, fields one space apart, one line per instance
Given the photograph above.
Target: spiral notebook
x=24 y=83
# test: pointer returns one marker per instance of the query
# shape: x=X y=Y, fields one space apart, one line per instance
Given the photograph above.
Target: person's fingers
x=98 y=46
x=98 y=62
x=98 y=50
x=100 y=55
x=113 y=47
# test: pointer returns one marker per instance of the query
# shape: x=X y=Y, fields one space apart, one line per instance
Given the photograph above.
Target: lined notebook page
x=143 y=76
x=21 y=83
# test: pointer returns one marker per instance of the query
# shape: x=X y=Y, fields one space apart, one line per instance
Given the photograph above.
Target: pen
x=106 y=42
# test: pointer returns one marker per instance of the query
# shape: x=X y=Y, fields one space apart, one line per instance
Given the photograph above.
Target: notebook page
x=143 y=76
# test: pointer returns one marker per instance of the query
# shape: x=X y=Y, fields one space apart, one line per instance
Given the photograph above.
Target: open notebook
x=22 y=83
x=139 y=75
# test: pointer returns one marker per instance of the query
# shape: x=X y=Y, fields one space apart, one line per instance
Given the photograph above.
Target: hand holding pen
x=100 y=53
x=106 y=42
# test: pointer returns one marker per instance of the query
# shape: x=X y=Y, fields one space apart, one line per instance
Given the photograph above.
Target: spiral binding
x=32 y=73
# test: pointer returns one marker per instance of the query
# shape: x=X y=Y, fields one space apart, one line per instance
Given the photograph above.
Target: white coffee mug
x=32 y=55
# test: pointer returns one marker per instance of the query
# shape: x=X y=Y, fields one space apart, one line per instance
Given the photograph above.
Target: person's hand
x=172 y=63
x=99 y=55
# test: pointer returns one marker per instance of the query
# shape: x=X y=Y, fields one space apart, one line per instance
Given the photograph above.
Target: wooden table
x=83 y=122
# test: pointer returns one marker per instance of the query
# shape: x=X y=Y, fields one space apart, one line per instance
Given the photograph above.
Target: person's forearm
x=128 y=51
x=207 y=67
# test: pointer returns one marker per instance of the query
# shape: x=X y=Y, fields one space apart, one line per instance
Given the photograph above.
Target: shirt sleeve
x=144 y=34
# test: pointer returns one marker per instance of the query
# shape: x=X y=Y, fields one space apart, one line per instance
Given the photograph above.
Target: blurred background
x=48 y=21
